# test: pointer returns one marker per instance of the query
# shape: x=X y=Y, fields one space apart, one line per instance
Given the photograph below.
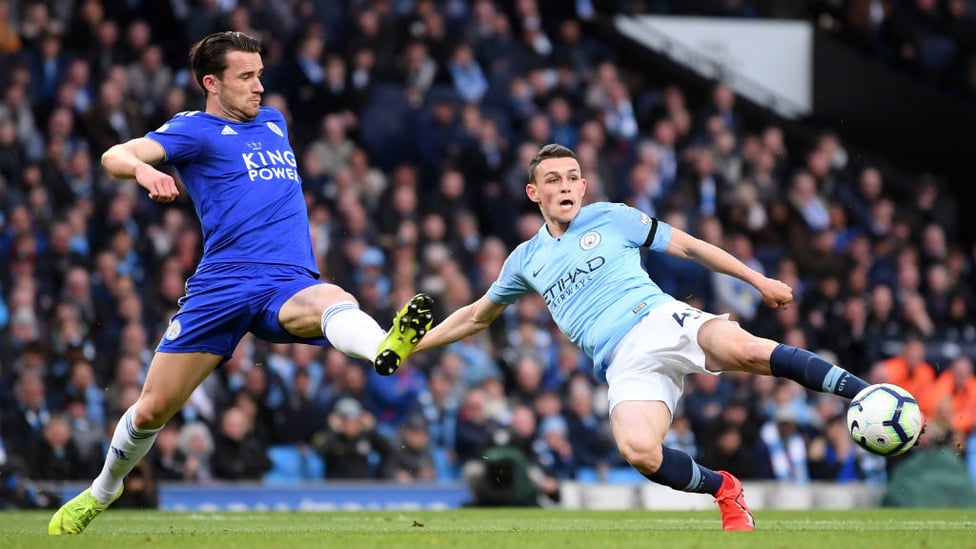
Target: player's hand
x=775 y=293
x=161 y=187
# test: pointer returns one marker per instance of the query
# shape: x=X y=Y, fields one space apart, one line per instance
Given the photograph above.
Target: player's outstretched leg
x=732 y=503
x=73 y=517
x=409 y=325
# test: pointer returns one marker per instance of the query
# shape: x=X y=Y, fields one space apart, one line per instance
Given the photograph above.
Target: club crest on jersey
x=274 y=127
x=590 y=240
x=173 y=331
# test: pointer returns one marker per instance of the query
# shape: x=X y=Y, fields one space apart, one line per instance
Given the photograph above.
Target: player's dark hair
x=551 y=150
x=209 y=56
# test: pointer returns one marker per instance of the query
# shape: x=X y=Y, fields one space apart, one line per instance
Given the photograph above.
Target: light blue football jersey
x=591 y=277
x=244 y=183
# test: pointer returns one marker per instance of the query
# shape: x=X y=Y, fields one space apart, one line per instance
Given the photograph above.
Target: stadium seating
x=291 y=465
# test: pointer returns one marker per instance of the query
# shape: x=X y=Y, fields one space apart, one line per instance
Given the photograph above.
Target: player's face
x=558 y=189
x=237 y=94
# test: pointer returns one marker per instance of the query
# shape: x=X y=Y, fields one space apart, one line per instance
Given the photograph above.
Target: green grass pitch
x=498 y=528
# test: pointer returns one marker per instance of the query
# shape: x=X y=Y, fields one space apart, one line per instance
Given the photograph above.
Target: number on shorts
x=688 y=312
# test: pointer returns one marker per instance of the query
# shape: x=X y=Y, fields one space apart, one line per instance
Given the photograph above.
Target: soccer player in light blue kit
x=585 y=262
x=258 y=272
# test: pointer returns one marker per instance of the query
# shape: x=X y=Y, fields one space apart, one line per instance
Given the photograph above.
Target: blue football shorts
x=225 y=301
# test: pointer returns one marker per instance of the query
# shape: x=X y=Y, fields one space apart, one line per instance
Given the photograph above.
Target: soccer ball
x=884 y=419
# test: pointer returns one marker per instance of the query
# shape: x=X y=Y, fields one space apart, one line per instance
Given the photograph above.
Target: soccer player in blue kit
x=258 y=272
x=585 y=262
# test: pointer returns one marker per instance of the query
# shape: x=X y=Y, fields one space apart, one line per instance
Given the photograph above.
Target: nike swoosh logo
x=539 y=271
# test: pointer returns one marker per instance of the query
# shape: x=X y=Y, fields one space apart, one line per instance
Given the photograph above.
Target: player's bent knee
x=330 y=294
x=150 y=413
x=644 y=455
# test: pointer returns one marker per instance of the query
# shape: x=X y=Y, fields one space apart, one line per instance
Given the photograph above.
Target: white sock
x=352 y=331
x=129 y=445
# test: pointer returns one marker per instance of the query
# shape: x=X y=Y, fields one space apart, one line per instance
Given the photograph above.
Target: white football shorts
x=651 y=361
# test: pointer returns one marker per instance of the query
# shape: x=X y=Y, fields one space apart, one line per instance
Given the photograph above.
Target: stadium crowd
x=413 y=122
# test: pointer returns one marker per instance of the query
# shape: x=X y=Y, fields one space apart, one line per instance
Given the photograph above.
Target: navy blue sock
x=680 y=472
x=813 y=372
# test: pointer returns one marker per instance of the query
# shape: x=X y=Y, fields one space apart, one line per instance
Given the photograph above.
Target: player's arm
x=134 y=159
x=463 y=322
x=774 y=292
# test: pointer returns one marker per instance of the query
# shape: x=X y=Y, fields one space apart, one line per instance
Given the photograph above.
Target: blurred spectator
x=589 y=434
x=959 y=325
x=238 y=454
x=9 y=39
x=954 y=388
x=702 y=191
x=731 y=294
x=351 y=446
x=333 y=148
x=54 y=455
x=729 y=452
x=681 y=437
x=24 y=421
x=82 y=385
x=620 y=120
x=305 y=414
x=111 y=120
x=302 y=74
x=412 y=458
x=824 y=311
x=785 y=449
x=417 y=70
x=197 y=444
x=265 y=397
x=807 y=199
x=474 y=427
x=148 y=79
x=167 y=459
x=128 y=373
x=528 y=375
x=704 y=400
x=555 y=452
x=848 y=337
x=86 y=435
x=438 y=404
x=466 y=74
x=105 y=51
x=731 y=441
x=908 y=369
x=48 y=62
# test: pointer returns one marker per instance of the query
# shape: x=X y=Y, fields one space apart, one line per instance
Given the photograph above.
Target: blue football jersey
x=244 y=183
x=591 y=277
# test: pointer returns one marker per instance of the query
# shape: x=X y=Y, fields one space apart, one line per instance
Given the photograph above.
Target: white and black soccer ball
x=884 y=419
